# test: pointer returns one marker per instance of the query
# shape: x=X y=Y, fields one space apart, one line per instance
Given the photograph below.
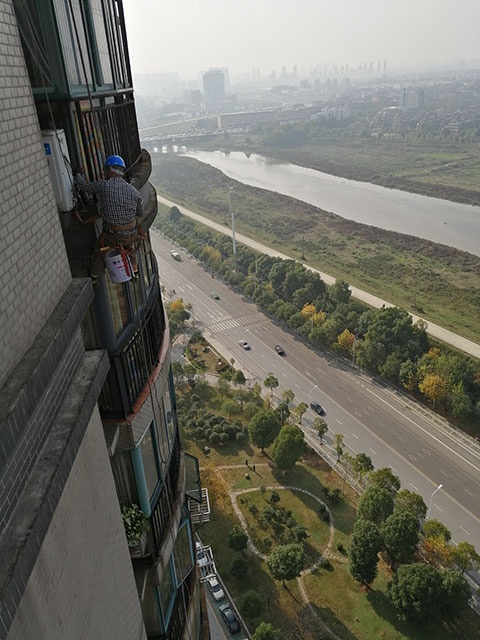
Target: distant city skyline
x=266 y=35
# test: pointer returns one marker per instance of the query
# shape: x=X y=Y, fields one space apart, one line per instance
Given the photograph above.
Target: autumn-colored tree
x=308 y=311
x=434 y=387
x=345 y=341
x=437 y=551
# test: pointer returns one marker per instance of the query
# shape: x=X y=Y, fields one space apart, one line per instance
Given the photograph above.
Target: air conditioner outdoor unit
x=56 y=150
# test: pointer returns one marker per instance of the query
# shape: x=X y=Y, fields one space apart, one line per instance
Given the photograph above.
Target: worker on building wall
x=120 y=209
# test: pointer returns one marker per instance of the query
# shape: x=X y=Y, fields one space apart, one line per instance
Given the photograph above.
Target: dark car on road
x=317 y=408
x=229 y=618
x=279 y=350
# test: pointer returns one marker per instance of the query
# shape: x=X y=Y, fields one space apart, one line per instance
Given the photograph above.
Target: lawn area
x=342 y=604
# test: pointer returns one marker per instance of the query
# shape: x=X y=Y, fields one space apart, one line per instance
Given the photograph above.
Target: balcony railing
x=167 y=503
x=133 y=365
x=107 y=126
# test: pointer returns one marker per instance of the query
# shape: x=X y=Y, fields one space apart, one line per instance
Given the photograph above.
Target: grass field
x=346 y=607
x=443 y=282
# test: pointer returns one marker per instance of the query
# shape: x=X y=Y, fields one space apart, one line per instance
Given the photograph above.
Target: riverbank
x=439 y=283
x=445 y=171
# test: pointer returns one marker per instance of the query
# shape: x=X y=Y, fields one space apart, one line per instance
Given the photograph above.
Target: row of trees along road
x=383 y=341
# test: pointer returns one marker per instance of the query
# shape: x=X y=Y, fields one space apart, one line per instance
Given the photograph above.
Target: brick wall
x=82 y=585
x=34 y=270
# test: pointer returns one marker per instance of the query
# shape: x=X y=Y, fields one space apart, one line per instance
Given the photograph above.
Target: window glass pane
x=33 y=43
x=100 y=38
x=151 y=609
x=162 y=439
x=183 y=554
x=148 y=450
x=115 y=34
x=118 y=304
x=167 y=593
x=72 y=36
x=167 y=405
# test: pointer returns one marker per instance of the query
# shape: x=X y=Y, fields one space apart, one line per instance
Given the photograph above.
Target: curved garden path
x=328 y=553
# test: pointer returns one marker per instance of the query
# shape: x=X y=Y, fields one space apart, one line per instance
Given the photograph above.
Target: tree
x=465 y=556
x=338 y=443
x=237 y=539
x=238 y=567
x=346 y=340
x=456 y=593
x=288 y=396
x=263 y=429
x=288 y=447
x=375 y=504
x=271 y=383
x=365 y=544
x=286 y=562
x=223 y=387
x=300 y=533
x=362 y=464
x=434 y=387
x=174 y=214
x=321 y=427
x=283 y=412
x=437 y=551
x=250 y=604
x=265 y=631
x=434 y=528
x=300 y=410
x=407 y=500
x=400 y=536
x=238 y=378
x=416 y=592
x=385 y=479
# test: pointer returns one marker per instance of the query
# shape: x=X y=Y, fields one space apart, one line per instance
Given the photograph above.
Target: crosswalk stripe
x=231 y=323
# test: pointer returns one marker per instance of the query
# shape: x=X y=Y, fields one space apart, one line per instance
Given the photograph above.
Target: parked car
x=244 y=344
x=215 y=587
x=215 y=295
x=202 y=558
x=229 y=618
x=317 y=408
x=279 y=350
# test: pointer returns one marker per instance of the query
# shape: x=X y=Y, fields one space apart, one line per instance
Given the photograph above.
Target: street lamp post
x=232 y=216
x=431 y=500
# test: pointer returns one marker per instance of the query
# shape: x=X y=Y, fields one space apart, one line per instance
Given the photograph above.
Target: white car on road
x=215 y=587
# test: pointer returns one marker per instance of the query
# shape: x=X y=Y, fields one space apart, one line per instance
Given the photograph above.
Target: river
x=450 y=223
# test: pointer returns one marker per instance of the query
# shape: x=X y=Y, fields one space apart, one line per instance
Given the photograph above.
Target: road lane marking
x=417 y=426
x=355 y=436
x=374 y=452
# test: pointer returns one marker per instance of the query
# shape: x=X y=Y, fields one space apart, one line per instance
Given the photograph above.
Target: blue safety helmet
x=115 y=162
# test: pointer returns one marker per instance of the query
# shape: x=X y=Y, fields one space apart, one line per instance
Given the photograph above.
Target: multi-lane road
x=421 y=448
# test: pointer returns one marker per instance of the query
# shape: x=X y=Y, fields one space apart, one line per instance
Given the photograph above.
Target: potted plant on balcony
x=136 y=528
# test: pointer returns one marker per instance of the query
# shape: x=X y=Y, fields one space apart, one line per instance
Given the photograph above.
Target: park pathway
x=327 y=554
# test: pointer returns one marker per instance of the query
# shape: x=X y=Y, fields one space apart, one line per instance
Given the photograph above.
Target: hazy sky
x=193 y=35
